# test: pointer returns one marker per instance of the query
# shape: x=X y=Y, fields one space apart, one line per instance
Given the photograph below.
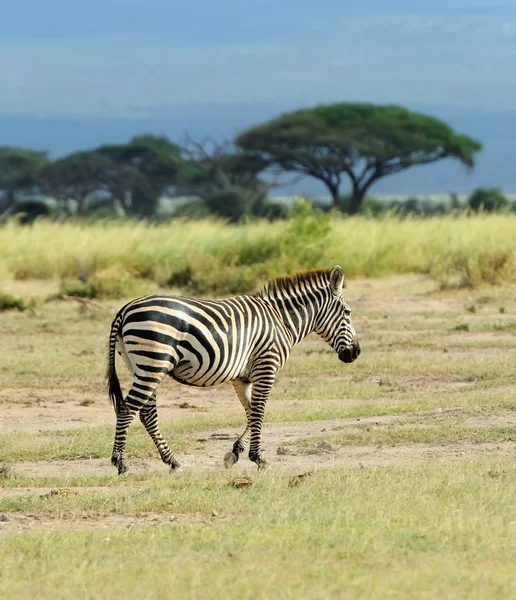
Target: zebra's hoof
x=175 y=467
x=262 y=465
x=122 y=468
x=230 y=459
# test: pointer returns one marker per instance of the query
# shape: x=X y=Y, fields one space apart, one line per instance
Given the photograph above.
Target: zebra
x=245 y=340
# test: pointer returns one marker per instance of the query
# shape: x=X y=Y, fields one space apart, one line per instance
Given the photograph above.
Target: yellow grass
x=215 y=257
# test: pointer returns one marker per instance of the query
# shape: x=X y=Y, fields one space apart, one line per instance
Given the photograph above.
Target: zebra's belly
x=192 y=374
x=191 y=382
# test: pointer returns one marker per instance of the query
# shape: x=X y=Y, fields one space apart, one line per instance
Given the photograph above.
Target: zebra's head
x=333 y=323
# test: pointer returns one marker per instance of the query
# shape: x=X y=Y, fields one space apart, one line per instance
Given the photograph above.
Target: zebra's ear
x=337 y=280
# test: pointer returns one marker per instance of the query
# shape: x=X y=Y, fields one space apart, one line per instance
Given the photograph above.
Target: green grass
x=438 y=531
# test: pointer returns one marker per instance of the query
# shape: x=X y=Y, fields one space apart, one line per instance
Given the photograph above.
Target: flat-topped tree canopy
x=361 y=141
x=154 y=163
x=77 y=175
x=154 y=156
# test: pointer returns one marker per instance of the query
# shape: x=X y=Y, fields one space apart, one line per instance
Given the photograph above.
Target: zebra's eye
x=347 y=312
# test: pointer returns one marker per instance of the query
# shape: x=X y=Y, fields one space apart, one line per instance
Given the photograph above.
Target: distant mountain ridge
x=496 y=130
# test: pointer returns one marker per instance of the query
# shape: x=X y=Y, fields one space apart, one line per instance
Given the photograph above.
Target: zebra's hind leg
x=141 y=392
x=243 y=389
x=124 y=417
x=149 y=418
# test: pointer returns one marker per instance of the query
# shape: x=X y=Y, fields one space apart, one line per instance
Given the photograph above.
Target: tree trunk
x=334 y=191
x=357 y=198
x=81 y=204
x=8 y=200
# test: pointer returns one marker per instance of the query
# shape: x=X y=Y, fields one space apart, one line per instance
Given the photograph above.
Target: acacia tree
x=151 y=164
x=18 y=170
x=78 y=175
x=362 y=142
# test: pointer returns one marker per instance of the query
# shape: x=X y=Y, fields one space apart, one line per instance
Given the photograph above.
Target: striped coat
x=200 y=342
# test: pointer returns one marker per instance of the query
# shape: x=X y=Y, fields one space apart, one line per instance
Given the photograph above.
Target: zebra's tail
x=114 y=389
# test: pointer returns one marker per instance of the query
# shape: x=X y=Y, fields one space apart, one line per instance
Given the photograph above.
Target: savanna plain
x=392 y=477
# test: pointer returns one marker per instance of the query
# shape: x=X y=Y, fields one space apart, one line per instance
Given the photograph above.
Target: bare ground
x=70 y=522
x=212 y=445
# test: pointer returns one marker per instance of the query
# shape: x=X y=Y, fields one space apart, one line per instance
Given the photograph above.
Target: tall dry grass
x=211 y=256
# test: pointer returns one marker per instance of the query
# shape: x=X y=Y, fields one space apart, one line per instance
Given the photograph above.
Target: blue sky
x=132 y=58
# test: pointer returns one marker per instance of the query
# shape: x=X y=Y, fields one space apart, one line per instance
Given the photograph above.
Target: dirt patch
x=211 y=446
x=48 y=492
x=42 y=410
x=33 y=522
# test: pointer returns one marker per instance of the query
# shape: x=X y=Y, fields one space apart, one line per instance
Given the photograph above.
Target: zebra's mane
x=292 y=286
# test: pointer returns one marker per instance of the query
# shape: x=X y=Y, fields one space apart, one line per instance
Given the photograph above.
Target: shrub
x=273 y=211
x=9 y=302
x=232 y=206
x=374 y=207
x=29 y=210
x=487 y=199
x=194 y=209
x=114 y=282
x=307 y=235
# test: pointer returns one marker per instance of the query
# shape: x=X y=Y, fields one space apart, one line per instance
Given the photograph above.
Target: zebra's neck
x=297 y=310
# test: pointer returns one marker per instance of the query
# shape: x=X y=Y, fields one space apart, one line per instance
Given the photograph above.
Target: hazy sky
x=143 y=58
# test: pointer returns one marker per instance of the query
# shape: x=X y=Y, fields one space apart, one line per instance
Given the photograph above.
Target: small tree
x=229 y=177
x=488 y=199
x=363 y=142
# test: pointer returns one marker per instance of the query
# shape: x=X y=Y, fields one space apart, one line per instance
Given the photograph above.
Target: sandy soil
x=212 y=445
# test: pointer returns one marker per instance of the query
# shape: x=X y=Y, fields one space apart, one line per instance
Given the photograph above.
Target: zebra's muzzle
x=348 y=355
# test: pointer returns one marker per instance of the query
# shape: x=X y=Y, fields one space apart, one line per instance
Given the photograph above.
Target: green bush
x=195 y=209
x=488 y=200
x=307 y=235
x=114 y=282
x=29 y=210
x=231 y=206
x=9 y=302
x=374 y=207
x=273 y=211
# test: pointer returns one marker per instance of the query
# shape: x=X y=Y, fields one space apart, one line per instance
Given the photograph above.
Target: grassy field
x=393 y=477
x=213 y=257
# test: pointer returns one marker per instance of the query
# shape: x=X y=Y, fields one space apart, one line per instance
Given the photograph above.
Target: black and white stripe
x=244 y=339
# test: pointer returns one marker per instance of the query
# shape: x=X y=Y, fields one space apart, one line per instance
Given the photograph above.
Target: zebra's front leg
x=243 y=389
x=149 y=419
x=261 y=390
